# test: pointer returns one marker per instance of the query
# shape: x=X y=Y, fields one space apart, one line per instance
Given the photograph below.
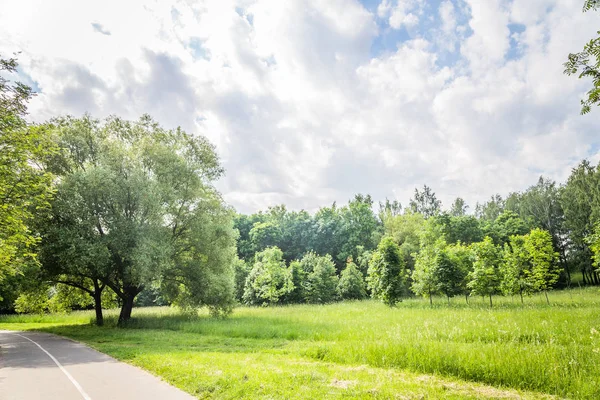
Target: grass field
x=361 y=349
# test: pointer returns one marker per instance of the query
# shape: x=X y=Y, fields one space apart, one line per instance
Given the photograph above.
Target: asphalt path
x=42 y=366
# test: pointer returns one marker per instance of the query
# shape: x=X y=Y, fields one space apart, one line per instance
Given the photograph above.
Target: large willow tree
x=137 y=204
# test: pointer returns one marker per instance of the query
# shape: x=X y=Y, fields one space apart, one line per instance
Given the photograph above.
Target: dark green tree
x=387 y=274
x=352 y=284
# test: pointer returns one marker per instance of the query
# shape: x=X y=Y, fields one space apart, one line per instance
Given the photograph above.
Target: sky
x=312 y=101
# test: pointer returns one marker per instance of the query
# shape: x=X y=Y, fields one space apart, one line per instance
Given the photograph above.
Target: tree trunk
x=128 y=297
x=467 y=298
x=98 y=303
x=547 y=300
x=521 y=293
x=98 y=308
x=126 y=308
x=430 y=299
x=490 y=301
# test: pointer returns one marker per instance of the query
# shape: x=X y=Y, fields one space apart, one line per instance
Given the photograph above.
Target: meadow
x=360 y=349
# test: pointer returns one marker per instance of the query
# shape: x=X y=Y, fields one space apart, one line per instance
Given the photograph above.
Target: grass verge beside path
x=360 y=349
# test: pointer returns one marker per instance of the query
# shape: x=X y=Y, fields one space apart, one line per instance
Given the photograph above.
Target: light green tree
x=425 y=277
x=351 y=285
x=461 y=257
x=516 y=268
x=269 y=280
x=387 y=274
x=484 y=279
x=593 y=240
x=543 y=259
x=25 y=186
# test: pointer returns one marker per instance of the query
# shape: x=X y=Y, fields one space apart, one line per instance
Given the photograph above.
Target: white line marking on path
x=73 y=381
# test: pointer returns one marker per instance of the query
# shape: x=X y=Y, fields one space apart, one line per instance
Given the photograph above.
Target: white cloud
x=302 y=110
x=400 y=13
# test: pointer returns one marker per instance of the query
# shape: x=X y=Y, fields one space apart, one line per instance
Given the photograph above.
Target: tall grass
x=552 y=348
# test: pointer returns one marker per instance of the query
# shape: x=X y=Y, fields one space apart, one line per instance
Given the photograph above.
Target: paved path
x=41 y=366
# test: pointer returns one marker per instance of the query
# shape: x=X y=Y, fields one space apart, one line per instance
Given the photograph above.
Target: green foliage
x=387 y=275
x=359 y=227
x=459 y=208
x=32 y=303
x=450 y=351
x=507 y=224
x=425 y=203
x=461 y=257
x=515 y=268
x=465 y=229
x=580 y=201
x=484 y=279
x=351 y=285
x=241 y=271
x=406 y=231
x=25 y=186
x=142 y=196
x=299 y=275
x=593 y=240
x=586 y=63
x=491 y=209
x=425 y=277
x=269 y=280
x=322 y=281
x=543 y=259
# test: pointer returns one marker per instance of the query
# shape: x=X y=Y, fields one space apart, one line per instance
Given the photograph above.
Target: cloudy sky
x=311 y=101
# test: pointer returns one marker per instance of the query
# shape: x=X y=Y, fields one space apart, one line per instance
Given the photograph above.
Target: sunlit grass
x=360 y=349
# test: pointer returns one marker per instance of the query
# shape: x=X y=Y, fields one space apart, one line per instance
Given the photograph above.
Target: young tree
x=425 y=278
x=146 y=196
x=321 y=283
x=484 y=279
x=543 y=259
x=516 y=268
x=387 y=274
x=351 y=285
x=461 y=257
x=25 y=186
x=269 y=280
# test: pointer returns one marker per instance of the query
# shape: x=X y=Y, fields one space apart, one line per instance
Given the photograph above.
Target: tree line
x=525 y=243
x=114 y=212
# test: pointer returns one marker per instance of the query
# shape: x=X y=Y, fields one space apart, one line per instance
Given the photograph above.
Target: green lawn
x=361 y=349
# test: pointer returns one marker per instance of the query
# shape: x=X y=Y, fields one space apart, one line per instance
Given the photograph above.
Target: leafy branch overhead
x=586 y=64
